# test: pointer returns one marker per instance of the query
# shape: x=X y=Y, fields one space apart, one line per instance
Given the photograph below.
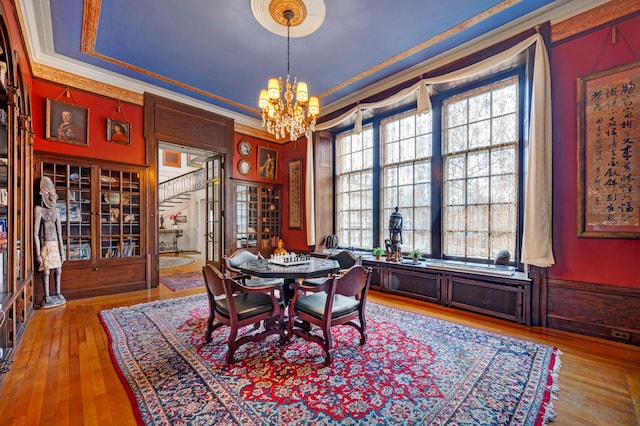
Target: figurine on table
x=280 y=249
x=49 y=247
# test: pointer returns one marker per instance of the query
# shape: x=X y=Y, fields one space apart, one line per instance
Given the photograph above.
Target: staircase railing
x=189 y=182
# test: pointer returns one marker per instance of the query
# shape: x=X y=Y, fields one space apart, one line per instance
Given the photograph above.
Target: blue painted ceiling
x=216 y=51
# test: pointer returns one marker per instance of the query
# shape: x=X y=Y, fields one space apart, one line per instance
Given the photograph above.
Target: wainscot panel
x=606 y=311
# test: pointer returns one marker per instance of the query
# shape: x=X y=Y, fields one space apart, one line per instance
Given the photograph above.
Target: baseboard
x=605 y=311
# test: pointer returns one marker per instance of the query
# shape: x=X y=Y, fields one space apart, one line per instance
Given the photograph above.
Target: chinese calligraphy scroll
x=609 y=153
x=295 y=194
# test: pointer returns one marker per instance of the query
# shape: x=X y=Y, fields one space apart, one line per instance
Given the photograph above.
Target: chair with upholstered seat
x=237 y=306
x=345 y=259
x=237 y=258
x=339 y=300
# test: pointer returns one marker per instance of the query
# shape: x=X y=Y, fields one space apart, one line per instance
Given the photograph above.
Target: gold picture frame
x=267 y=163
x=66 y=122
x=118 y=131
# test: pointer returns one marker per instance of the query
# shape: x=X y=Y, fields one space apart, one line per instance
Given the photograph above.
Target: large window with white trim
x=454 y=174
x=406 y=177
x=354 y=188
x=480 y=171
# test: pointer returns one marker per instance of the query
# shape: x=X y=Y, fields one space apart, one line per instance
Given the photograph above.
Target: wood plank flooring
x=63 y=374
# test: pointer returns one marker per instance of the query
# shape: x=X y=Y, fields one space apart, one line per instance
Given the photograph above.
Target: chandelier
x=282 y=115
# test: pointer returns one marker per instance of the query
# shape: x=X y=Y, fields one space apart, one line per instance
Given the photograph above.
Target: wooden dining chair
x=345 y=259
x=339 y=300
x=237 y=258
x=236 y=305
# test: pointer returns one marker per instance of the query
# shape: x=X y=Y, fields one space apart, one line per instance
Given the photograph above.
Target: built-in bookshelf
x=16 y=201
x=102 y=218
x=257 y=220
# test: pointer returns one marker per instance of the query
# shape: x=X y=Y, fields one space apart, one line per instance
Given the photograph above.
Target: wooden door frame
x=174 y=122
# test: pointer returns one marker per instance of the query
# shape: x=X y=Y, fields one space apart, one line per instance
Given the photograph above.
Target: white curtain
x=537 y=238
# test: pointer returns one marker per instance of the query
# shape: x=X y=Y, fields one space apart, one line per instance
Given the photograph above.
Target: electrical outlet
x=622 y=335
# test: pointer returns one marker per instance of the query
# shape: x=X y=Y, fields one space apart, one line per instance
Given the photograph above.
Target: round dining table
x=313 y=268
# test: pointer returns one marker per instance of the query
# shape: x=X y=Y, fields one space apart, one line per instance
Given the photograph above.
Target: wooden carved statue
x=394 y=243
x=49 y=247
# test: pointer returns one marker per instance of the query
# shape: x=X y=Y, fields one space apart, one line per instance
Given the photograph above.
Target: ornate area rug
x=168 y=262
x=414 y=369
x=183 y=280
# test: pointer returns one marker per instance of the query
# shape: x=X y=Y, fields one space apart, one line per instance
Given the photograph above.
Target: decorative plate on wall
x=244 y=148
x=244 y=167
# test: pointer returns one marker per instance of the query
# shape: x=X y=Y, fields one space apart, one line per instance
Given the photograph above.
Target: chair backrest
x=214 y=280
x=237 y=258
x=354 y=282
x=345 y=258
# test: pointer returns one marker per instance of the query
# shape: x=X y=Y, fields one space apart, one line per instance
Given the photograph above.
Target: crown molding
x=65 y=78
x=591 y=18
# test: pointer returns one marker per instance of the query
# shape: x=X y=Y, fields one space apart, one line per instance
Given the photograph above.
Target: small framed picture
x=171 y=158
x=118 y=131
x=267 y=160
x=67 y=123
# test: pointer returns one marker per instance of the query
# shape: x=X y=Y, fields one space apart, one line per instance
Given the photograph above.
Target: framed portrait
x=608 y=166
x=118 y=131
x=295 y=194
x=171 y=158
x=267 y=163
x=181 y=219
x=67 y=123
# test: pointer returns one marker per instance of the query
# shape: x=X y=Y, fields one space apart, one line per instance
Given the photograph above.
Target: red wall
x=100 y=108
x=294 y=239
x=593 y=260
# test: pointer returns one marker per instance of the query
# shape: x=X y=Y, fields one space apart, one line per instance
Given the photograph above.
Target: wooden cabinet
x=510 y=298
x=103 y=222
x=256 y=217
x=507 y=299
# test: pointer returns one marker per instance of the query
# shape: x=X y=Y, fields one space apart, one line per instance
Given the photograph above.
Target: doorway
x=190 y=205
x=183 y=127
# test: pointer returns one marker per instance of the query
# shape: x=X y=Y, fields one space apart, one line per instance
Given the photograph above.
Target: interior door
x=214 y=221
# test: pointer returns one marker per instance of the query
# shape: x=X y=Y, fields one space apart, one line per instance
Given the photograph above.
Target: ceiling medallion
x=307 y=17
x=277 y=9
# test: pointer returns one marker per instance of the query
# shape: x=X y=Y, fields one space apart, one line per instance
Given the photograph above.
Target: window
x=480 y=171
x=354 y=188
x=454 y=174
x=406 y=182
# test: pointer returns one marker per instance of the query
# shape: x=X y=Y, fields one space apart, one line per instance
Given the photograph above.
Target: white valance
x=537 y=244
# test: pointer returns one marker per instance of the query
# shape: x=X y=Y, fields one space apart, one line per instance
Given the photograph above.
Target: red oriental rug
x=414 y=369
x=183 y=280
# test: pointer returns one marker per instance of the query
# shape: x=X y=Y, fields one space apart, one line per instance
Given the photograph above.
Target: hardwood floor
x=63 y=374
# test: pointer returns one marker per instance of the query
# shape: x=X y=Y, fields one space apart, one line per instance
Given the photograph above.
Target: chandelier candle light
x=279 y=116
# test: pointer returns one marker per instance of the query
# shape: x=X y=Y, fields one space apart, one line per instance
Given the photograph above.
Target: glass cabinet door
x=73 y=186
x=257 y=216
x=246 y=216
x=270 y=217
x=119 y=213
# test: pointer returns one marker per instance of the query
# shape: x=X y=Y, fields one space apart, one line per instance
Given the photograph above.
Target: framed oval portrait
x=244 y=148
x=244 y=167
